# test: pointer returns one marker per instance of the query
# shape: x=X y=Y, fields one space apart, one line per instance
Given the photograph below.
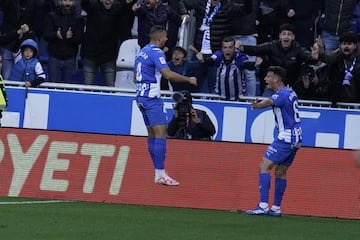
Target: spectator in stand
x=27 y=67
x=338 y=18
x=100 y=44
x=284 y=52
x=344 y=68
x=154 y=12
x=229 y=64
x=213 y=23
x=127 y=21
x=189 y=122
x=14 y=35
x=245 y=31
x=16 y=14
x=314 y=83
x=180 y=65
x=173 y=27
x=3 y=97
x=267 y=21
x=302 y=15
x=53 y=5
x=63 y=30
x=356 y=19
x=47 y=7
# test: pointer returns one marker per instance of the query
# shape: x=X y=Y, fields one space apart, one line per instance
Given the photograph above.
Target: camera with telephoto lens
x=183 y=106
x=183 y=103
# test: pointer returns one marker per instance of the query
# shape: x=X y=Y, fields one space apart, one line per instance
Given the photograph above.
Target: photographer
x=314 y=82
x=187 y=122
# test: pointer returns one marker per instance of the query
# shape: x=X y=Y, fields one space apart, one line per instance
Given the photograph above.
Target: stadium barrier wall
x=213 y=175
x=118 y=113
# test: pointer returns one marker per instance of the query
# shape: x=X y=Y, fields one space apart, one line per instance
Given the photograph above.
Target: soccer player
x=281 y=152
x=150 y=64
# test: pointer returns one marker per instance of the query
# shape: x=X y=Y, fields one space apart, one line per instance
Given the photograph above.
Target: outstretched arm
x=175 y=77
x=262 y=104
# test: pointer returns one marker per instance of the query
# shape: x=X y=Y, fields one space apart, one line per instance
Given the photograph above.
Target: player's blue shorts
x=281 y=153
x=152 y=110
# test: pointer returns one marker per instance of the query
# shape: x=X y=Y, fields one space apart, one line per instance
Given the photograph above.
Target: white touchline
x=36 y=202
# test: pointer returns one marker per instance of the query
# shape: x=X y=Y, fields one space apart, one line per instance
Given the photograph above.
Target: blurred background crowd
x=226 y=44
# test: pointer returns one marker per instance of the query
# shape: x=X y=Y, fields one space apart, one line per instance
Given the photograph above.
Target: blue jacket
x=24 y=70
x=189 y=68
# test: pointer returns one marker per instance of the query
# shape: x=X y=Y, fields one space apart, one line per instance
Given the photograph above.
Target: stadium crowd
x=77 y=41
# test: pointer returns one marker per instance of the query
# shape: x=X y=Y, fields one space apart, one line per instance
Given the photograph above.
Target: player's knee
x=265 y=165
x=280 y=172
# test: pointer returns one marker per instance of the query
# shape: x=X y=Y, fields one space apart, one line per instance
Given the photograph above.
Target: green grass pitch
x=103 y=221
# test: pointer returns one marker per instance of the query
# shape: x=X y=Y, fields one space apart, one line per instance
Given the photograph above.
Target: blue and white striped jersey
x=230 y=83
x=287 y=119
x=148 y=63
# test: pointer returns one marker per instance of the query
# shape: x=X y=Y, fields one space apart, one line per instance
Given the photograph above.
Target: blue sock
x=159 y=151
x=264 y=185
x=151 y=149
x=280 y=186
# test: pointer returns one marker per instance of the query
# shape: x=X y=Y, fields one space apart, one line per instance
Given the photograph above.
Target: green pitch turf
x=101 y=221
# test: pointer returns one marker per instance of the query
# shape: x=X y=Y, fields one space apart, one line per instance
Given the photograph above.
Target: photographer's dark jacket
x=319 y=91
x=201 y=131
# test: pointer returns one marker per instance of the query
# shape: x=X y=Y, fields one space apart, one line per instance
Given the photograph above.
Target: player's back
x=148 y=63
x=286 y=111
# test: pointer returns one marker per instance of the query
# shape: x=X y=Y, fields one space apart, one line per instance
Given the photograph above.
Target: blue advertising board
x=118 y=114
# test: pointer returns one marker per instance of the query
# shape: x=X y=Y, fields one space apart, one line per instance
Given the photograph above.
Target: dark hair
x=349 y=37
x=180 y=49
x=228 y=39
x=279 y=71
x=155 y=30
x=287 y=27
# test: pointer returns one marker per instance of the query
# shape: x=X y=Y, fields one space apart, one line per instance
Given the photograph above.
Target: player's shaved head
x=155 y=32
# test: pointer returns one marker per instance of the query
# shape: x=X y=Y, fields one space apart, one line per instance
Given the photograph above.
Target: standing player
x=150 y=64
x=281 y=152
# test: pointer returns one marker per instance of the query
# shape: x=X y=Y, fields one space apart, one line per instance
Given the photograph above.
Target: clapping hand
x=69 y=33
x=58 y=33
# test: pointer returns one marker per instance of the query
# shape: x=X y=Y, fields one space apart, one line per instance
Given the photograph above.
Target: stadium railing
x=207 y=96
